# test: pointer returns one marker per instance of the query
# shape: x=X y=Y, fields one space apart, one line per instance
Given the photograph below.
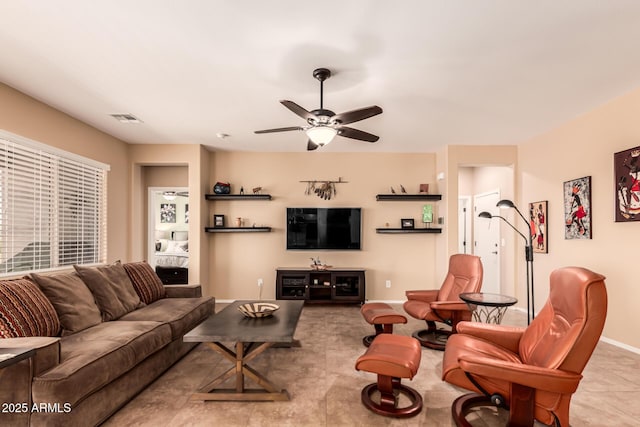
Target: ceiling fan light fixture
x=321 y=135
x=169 y=195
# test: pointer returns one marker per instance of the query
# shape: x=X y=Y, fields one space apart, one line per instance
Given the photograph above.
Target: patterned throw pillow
x=25 y=311
x=145 y=281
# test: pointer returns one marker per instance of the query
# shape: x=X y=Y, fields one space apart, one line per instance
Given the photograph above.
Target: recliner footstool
x=382 y=316
x=391 y=357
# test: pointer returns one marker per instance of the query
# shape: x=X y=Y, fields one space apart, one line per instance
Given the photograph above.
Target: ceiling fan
x=324 y=125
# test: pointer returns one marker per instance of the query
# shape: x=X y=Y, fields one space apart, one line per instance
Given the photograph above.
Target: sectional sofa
x=101 y=335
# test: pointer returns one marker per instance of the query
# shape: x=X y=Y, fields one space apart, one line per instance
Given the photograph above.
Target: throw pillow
x=71 y=299
x=25 y=311
x=145 y=281
x=111 y=288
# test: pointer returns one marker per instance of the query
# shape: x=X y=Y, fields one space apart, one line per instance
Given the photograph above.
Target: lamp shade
x=321 y=135
x=505 y=204
x=485 y=214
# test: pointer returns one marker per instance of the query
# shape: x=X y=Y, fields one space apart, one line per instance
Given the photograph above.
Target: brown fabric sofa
x=94 y=365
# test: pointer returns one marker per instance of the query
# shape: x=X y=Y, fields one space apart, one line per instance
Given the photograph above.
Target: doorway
x=168 y=228
x=486 y=239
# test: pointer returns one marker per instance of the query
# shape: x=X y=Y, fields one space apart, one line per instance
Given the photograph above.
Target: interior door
x=486 y=236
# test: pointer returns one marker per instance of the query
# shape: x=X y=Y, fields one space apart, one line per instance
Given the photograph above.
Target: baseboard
x=620 y=344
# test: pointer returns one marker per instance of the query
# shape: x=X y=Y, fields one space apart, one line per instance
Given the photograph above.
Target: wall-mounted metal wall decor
x=325 y=189
x=626 y=166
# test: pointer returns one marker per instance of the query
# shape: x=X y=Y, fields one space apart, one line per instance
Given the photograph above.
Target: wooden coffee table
x=252 y=337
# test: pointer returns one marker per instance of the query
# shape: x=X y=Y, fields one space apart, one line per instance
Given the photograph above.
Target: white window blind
x=52 y=208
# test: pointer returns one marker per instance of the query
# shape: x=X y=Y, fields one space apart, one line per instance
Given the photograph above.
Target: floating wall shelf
x=407 y=230
x=237 y=229
x=408 y=197
x=237 y=196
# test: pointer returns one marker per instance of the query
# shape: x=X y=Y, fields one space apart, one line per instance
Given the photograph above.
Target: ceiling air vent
x=126 y=118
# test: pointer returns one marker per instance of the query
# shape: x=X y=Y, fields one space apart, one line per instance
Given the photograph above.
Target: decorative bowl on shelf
x=258 y=309
x=320 y=267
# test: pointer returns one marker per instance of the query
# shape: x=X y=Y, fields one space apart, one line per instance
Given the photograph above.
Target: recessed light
x=222 y=135
x=126 y=118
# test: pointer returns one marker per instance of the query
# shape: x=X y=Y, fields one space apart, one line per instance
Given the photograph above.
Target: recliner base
x=520 y=414
x=435 y=339
x=388 y=400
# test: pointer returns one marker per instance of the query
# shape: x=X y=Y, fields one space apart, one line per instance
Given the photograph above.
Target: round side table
x=487 y=308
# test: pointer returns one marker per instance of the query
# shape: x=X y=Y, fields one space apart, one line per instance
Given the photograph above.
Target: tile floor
x=325 y=387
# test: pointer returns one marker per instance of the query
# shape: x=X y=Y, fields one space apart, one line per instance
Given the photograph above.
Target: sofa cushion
x=145 y=281
x=112 y=289
x=25 y=311
x=182 y=314
x=95 y=357
x=72 y=300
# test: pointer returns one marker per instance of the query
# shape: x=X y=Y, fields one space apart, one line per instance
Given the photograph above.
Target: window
x=52 y=207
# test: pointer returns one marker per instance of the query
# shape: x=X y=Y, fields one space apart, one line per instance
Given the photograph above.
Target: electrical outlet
x=388 y=283
x=260 y=283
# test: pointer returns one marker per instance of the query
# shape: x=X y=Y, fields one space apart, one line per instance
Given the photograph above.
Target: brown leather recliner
x=443 y=305
x=534 y=370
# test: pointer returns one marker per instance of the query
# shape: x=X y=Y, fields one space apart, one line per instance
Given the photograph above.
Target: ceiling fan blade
x=279 y=129
x=298 y=110
x=357 y=134
x=311 y=145
x=356 y=115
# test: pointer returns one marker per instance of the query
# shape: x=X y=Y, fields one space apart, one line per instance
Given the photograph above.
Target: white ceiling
x=444 y=72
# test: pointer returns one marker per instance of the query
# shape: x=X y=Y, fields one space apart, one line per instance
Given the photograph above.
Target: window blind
x=52 y=208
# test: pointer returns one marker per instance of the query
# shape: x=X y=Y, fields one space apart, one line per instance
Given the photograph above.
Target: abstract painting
x=538 y=222
x=626 y=166
x=167 y=213
x=577 y=208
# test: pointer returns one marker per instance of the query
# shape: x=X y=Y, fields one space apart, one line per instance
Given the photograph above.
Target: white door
x=486 y=239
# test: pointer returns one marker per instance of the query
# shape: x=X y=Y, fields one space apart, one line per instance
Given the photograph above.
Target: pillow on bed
x=178 y=246
x=161 y=245
x=180 y=235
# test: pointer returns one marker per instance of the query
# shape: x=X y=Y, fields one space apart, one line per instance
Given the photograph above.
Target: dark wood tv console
x=335 y=285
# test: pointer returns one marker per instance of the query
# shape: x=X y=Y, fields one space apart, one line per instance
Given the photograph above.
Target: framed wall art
x=626 y=167
x=577 y=208
x=407 y=223
x=538 y=221
x=167 y=213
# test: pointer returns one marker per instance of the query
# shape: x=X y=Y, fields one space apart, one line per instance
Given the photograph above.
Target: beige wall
x=584 y=147
x=239 y=259
x=24 y=116
x=165 y=176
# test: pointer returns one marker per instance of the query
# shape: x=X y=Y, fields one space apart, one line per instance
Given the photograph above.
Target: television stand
x=334 y=285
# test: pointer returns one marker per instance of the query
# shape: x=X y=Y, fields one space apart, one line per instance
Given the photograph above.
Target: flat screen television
x=323 y=228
